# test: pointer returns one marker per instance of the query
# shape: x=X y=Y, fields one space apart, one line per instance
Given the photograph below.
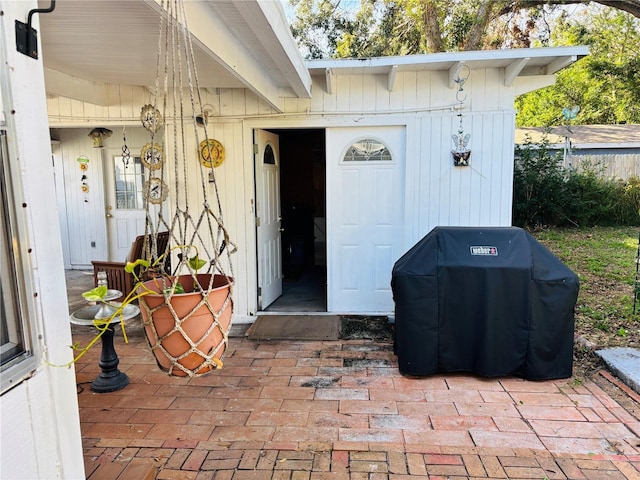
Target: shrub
x=628 y=207
x=538 y=185
x=594 y=199
x=545 y=193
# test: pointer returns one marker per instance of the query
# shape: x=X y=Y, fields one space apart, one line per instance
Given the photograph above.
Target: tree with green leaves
x=605 y=84
x=369 y=28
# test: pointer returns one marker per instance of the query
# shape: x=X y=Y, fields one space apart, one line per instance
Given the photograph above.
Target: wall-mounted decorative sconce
x=461 y=152
x=207 y=112
x=98 y=134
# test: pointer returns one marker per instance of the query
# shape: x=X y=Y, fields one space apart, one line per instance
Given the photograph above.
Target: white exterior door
x=124 y=202
x=365 y=204
x=268 y=221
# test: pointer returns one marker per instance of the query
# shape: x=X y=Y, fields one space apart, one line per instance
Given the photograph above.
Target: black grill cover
x=492 y=301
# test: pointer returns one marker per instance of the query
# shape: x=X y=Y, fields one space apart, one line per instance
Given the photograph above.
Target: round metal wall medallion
x=152 y=156
x=155 y=190
x=211 y=153
x=151 y=118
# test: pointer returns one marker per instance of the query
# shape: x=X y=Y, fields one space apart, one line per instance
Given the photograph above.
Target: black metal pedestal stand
x=110 y=379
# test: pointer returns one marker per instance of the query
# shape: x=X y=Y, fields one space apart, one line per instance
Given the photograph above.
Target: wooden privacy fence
x=610 y=163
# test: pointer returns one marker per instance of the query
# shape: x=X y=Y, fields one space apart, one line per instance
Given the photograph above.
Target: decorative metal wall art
x=461 y=151
x=126 y=153
x=83 y=161
x=569 y=114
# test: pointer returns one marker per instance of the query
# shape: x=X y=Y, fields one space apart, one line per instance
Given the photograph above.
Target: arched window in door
x=367 y=150
x=269 y=157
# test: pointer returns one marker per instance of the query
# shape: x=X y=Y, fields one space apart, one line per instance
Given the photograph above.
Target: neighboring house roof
x=87 y=46
x=585 y=136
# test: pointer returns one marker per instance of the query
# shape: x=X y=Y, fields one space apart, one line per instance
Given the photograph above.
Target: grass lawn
x=604 y=259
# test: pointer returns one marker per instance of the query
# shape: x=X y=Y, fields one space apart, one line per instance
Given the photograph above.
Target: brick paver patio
x=342 y=411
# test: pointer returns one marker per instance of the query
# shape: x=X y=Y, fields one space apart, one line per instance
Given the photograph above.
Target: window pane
x=269 y=157
x=367 y=150
x=129 y=177
x=12 y=345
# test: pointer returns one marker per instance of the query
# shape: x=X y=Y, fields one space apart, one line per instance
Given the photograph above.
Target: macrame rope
x=189 y=232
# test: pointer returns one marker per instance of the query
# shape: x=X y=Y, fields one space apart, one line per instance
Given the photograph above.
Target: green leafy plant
x=538 y=185
x=99 y=294
x=546 y=194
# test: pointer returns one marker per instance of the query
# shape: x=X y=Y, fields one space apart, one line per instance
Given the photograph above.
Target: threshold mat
x=295 y=327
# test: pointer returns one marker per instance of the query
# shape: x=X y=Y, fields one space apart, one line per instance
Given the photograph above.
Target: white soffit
x=237 y=44
x=515 y=62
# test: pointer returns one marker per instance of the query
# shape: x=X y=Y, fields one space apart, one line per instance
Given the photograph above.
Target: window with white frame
x=16 y=353
x=129 y=179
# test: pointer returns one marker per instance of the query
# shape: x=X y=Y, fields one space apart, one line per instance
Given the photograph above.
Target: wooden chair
x=117 y=278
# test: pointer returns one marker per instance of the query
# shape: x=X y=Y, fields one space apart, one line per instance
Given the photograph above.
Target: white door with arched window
x=365 y=205
x=268 y=220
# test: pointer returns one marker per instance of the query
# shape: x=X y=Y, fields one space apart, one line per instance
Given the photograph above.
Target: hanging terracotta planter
x=188 y=331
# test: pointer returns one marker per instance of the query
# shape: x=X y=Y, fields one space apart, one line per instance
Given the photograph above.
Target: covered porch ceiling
x=87 y=45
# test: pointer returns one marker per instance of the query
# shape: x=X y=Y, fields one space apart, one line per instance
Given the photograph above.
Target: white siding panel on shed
x=432 y=191
x=465 y=196
x=85 y=212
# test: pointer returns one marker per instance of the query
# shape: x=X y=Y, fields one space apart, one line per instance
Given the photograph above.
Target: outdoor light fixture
x=98 y=134
x=203 y=118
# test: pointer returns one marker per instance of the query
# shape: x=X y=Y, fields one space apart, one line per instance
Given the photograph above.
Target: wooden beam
x=58 y=83
x=391 y=77
x=328 y=78
x=529 y=83
x=513 y=70
x=560 y=63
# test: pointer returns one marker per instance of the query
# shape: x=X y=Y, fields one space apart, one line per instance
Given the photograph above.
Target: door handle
x=108 y=215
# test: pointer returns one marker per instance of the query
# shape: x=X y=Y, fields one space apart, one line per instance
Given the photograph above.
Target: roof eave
x=558 y=57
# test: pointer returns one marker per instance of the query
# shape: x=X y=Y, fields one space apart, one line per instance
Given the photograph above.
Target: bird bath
x=110 y=378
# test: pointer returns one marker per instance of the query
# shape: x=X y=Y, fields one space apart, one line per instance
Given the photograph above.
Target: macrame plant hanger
x=198 y=252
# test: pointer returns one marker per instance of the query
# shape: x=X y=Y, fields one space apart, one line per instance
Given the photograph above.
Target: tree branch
x=432 y=32
x=487 y=11
x=629 y=6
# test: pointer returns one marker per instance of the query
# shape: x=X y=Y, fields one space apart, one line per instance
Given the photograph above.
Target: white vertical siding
x=436 y=192
x=85 y=212
x=123 y=105
x=412 y=90
x=466 y=196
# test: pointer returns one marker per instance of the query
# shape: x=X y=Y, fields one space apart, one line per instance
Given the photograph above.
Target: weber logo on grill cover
x=484 y=251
